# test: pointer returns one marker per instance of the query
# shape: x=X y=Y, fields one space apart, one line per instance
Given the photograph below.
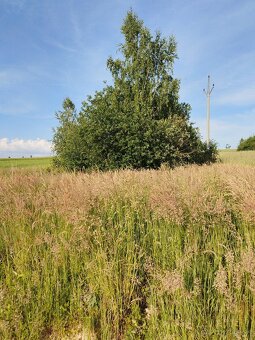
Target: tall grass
x=163 y=254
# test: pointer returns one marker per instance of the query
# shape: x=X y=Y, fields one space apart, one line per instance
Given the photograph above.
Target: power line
x=208 y=95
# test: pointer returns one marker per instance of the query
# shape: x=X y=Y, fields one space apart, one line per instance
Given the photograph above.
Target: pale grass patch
x=170 y=281
x=248 y=261
x=151 y=312
x=220 y=281
x=198 y=190
x=197 y=287
x=76 y=333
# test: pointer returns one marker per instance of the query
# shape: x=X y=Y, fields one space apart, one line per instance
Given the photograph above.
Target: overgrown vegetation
x=138 y=121
x=247 y=144
x=165 y=254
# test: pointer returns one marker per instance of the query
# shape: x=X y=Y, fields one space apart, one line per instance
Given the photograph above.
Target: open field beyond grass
x=41 y=163
x=37 y=162
x=165 y=254
x=237 y=157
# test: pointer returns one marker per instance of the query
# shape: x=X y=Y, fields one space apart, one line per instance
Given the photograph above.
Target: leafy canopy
x=138 y=121
x=246 y=144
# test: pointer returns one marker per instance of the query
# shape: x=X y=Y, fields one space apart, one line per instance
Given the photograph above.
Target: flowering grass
x=165 y=254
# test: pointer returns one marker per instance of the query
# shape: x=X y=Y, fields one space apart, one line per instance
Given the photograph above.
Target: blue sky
x=51 y=49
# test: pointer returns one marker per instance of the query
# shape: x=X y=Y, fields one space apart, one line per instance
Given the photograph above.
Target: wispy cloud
x=249 y=114
x=244 y=96
x=20 y=147
x=19 y=106
x=59 y=45
x=229 y=129
x=76 y=29
x=11 y=76
x=14 y=3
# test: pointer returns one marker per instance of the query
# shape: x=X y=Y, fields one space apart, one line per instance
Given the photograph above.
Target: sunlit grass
x=237 y=157
x=36 y=162
x=163 y=254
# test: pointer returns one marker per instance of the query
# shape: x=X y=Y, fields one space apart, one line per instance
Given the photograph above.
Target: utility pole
x=208 y=95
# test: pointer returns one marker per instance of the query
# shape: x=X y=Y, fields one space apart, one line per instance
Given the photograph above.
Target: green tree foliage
x=67 y=140
x=138 y=121
x=246 y=144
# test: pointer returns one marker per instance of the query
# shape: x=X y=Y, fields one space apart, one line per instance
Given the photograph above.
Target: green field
x=38 y=162
x=237 y=157
x=225 y=156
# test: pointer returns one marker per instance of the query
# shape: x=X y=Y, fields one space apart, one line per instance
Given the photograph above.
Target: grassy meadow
x=165 y=254
x=237 y=157
x=33 y=163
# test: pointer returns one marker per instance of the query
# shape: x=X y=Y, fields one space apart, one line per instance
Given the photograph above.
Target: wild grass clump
x=163 y=254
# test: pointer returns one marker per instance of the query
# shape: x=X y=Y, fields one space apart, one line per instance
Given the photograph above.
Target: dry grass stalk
x=220 y=281
x=170 y=281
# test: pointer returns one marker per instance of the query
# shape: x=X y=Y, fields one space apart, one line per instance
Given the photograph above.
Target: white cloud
x=21 y=147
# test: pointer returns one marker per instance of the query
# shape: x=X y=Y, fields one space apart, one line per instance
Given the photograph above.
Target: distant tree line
x=138 y=121
x=247 y=144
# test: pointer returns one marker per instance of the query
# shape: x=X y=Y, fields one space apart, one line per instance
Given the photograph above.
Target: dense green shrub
x=246 y=144
x=138 y=121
